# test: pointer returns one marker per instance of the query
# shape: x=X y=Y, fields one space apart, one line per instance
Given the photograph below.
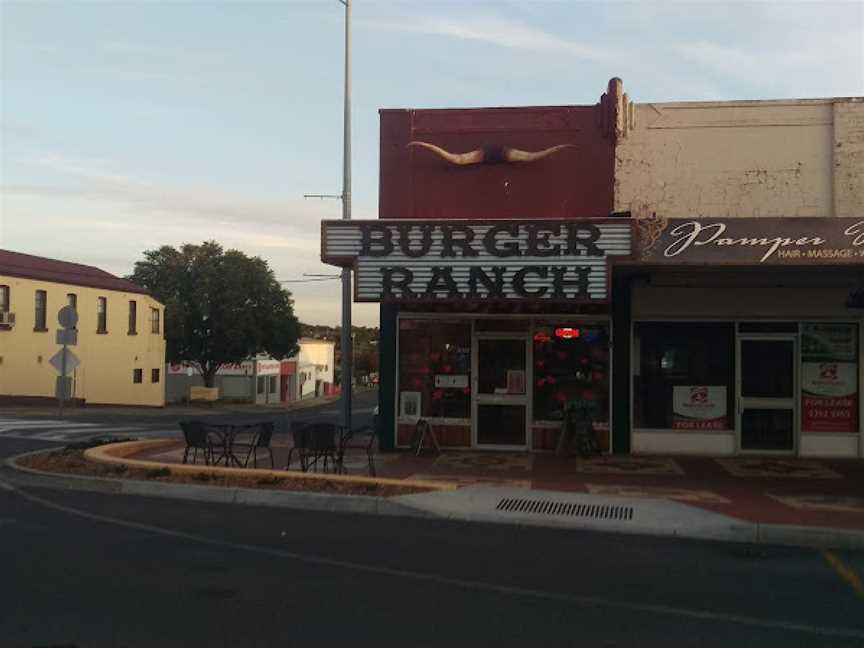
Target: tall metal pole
x=346 y=343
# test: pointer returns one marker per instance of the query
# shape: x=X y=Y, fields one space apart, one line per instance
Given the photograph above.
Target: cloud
x=493 y=30
x=679 y=51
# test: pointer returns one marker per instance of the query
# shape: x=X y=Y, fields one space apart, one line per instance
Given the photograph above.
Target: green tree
x=221 y=306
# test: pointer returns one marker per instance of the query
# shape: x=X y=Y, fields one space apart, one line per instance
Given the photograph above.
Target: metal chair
x=262 y=435
x=362 y=438
x=300 y=436
x=196 y=437
x=322 y=445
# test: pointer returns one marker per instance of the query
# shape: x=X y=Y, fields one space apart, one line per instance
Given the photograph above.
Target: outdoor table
x=226 y=431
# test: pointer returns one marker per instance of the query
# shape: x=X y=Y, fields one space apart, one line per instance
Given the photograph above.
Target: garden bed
x=71 y=461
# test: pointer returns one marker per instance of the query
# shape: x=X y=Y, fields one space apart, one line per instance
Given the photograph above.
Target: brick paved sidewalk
x=807 y=492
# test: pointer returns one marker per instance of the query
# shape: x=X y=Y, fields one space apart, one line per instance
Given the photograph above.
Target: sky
x=129 y=125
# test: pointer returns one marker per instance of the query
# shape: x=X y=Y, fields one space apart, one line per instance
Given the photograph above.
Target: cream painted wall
x=743 y=159
x=107 y=360
x=320 y=353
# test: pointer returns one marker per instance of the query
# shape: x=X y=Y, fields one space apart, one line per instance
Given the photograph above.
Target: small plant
x=156 y=473
x=116 y=469
x=202 y=477
x=93 y=443
x=270 y=481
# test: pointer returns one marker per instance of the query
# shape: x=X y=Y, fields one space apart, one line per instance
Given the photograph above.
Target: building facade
x=690 y=274
x=121 y=342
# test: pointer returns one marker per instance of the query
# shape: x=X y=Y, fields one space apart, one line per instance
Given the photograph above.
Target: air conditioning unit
x=7 y=319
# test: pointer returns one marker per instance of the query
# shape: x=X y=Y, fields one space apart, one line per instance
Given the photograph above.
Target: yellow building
x=121 y=344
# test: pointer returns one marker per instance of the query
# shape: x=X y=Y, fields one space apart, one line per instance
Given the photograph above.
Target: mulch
x=72 y=461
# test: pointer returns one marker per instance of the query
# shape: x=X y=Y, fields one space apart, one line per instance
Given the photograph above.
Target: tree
x=221 y=307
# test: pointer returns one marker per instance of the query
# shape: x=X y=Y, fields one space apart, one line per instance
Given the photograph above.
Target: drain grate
x=549 y=507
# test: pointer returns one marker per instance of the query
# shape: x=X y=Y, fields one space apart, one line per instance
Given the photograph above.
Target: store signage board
x=829 y=378
x=411 y=260
x=699 y=407
x=748 y=241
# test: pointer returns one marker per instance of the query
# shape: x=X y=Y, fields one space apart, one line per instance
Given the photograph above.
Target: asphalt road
x=92 y=569
x=88 y=423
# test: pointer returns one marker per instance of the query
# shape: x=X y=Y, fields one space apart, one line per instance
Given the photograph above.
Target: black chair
x=362 y=438
x=262 y=434
x=322 y=445
x=196 y=437
x=300 y=436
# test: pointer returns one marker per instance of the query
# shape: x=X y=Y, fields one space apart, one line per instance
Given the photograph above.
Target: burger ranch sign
x=396 y=260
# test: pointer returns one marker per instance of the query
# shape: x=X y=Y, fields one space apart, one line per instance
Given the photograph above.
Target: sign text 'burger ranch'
x=504 y=260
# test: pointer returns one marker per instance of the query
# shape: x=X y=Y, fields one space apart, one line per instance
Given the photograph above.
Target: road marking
x=585 y=601
x=845 y=572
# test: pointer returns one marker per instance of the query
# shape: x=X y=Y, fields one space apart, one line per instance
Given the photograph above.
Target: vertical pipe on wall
x=621 y=381
x=387 y=377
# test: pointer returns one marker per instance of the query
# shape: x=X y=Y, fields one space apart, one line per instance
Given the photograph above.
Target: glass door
x=767 y=411
x=501 y=392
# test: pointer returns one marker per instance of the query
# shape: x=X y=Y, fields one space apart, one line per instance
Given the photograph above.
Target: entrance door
x=501 y=392
x=767 y=406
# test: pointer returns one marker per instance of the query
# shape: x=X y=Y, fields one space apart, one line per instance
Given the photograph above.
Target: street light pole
x=346 y=342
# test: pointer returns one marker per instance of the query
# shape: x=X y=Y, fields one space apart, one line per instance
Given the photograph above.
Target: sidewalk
x=817 y=493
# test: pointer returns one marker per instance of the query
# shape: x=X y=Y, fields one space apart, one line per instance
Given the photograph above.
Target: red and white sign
x=235 y=369
x=699 y=407
x=268 y=367
x=829 y=397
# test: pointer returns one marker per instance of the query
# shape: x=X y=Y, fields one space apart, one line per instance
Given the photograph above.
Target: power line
x=293 y=281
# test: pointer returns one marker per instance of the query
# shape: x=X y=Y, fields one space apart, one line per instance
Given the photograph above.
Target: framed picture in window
x=515 y=381
x=409 y=404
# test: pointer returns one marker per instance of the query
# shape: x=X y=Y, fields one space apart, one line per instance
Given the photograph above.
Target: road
x=93 y=422
x=93 y=569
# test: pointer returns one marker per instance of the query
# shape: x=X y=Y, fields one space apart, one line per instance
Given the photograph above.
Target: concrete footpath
x=486 y=504
x=635 y=515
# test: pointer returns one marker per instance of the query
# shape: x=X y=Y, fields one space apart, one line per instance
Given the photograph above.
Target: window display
x=435 y=368
x=683 y=375
x=829 y=377
x=571 y=369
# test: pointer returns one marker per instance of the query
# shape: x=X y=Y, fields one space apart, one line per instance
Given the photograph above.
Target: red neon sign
x=567 y=332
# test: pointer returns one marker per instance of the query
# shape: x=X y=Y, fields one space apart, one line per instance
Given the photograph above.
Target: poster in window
x=829 y=395
x=829 y=378
x=515 y=381
x=409 y=404
x=699 y=407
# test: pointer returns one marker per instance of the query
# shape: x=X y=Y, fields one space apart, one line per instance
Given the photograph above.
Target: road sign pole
x=61 y=394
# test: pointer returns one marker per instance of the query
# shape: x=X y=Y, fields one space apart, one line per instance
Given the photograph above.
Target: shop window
x=41 y=311
x=683 y=375
x=829 y=378
x=154 y=375
x=259 y=388
x=273 y=384
x=137 y=376
x=435 y=368
x=571 y=369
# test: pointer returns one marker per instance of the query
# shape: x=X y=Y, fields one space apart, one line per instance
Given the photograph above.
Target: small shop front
x=746 y=336
x=501 y=382
x=498 y=327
